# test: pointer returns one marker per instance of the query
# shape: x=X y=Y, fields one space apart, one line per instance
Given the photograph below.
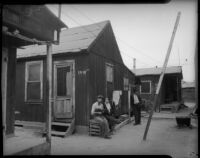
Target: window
x=62 y=74
x=126 y=84
x=33 y=81
x=145 y=87
x=109 y=73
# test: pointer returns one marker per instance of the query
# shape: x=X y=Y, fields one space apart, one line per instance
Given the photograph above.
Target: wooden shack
x=22 y=25
x=170 y=88
x=188 y=91
x=86 y=63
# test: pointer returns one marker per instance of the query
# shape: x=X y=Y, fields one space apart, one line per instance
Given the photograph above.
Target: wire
x=132 y=58
x=137 y=50
x=79 y=24
x=98 y=54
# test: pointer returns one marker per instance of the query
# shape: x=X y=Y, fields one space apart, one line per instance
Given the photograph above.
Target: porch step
x=62 y=128
x=173 y=107
x=56 y=133
x=60 y=124
x=63 y=120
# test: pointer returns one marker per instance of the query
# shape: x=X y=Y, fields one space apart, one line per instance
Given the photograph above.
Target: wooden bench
x=95 y=128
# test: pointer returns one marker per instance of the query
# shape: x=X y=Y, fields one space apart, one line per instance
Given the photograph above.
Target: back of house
x=170 y=88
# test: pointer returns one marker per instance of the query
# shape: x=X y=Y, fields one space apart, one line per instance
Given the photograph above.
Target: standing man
x=135 y=103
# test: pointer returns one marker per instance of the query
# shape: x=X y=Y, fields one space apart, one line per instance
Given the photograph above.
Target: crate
x=183 y=121
x=95 y=128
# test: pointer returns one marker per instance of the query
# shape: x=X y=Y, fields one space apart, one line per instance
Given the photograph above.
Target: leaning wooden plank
x=162 y=75
x=121 y=124
x=71 y=128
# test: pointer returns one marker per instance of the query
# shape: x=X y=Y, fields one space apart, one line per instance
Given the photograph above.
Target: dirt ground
x=164 y=138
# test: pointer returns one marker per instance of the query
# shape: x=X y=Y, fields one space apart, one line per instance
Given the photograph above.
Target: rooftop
x=71 y=40
x=188 y=84
x=157 y=70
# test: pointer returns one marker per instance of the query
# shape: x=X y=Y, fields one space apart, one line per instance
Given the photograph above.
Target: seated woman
x=109 y=115
x=97 y=114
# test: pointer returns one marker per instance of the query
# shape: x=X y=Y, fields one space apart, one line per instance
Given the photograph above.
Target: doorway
x=64 y=91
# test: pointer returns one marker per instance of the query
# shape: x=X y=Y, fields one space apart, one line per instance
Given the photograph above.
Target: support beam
x=129 y=103
x=49 y=91
x=162 y=74
x=4 y=91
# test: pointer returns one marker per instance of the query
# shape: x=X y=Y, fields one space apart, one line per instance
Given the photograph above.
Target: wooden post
x=177 y=88
x=49 y=91
x=4 y=91
x=129 y=103
x=162 y=74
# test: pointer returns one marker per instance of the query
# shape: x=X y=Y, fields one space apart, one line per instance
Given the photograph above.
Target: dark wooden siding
x=154 y=80
x=11 y=100
x=37 y=111
x=105 y=50
x=29 y=111
x=188 y=94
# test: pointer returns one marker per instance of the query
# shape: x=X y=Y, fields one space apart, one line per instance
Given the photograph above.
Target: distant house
x=171 y=86
x=86 y=63
x=188 y=91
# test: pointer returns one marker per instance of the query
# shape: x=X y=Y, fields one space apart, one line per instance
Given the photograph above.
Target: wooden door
x=63 y=89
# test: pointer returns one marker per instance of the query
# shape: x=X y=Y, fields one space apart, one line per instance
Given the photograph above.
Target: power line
x=79 y=24
x=137 y=50
x=132 y=58
x=122 y=64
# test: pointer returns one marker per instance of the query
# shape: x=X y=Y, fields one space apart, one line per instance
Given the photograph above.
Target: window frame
x=126 y=86
x=27 y=65
x=149 y=81
x=112 y=66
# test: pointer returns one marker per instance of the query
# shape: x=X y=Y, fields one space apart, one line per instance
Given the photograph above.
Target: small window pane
x=126 y=84
x=109 y=73
x=61 y=80
x=33 y=90
x=34 y=72
x=145 y=87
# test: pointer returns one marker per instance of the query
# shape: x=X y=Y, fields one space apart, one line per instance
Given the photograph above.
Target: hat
x=100 y=96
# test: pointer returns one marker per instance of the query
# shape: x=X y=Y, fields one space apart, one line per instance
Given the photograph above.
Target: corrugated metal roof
x=188 y=84
x=71 y=40
x=157 y=71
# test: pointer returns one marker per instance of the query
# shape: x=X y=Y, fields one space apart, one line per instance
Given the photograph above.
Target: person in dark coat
x=136 y=106
x=109 y=114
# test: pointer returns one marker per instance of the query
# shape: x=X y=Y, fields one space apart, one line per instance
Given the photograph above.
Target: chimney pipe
x=134 y=64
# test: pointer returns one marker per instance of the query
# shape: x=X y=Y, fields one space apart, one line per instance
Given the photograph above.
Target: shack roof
x=187 y=84
x=157 y=71
x=71 y=40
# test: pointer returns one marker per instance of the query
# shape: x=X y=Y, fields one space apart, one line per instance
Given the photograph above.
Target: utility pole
x=162 y=74
x=49 y=92
x=59 y=11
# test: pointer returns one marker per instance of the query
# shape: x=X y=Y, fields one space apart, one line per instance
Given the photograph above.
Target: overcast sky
x=143 y=31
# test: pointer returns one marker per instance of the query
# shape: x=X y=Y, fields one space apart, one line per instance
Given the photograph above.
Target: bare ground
x=163 y=138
